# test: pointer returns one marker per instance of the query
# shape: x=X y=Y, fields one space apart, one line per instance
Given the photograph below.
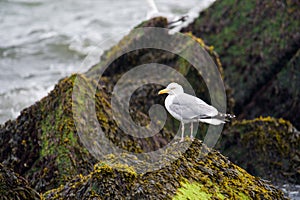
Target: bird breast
x=168 y=102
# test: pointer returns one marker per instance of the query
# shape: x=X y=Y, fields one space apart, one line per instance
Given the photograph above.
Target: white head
x=172 y=89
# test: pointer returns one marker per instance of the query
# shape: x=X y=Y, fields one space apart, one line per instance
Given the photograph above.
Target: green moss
x=61 y=124
x=241 y=195
x=61 y=154
x=195 y=191
x=191 y=191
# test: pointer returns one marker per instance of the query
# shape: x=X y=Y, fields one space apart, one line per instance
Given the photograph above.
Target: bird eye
x=172 y=88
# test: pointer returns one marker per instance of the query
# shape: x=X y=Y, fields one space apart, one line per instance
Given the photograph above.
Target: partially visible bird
x=188 y=109
x=176 y=23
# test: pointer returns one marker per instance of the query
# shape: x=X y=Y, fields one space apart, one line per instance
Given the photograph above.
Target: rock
x=120 y=62
x=42 y=144
x=47 y=145
x=196 y=174
x=281 y=96
x=258 y=42
x=265 y=147
x=13 y=186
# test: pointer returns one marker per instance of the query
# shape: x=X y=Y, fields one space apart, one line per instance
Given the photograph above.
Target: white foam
x=192 y=15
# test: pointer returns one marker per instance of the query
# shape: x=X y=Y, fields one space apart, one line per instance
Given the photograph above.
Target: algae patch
x=194 y=191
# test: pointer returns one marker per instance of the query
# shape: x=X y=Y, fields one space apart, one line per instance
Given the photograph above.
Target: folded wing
x=190 y=107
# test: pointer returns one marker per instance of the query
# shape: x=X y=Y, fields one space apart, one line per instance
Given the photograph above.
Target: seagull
x=176 y=23
x=188 y=109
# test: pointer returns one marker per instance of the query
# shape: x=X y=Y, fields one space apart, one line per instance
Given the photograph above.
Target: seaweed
x=271 y=146
x=199 y=171
x=13 y=186
x=258 y=42
x=43 y=144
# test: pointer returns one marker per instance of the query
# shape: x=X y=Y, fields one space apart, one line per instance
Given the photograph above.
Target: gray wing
x=189 y=107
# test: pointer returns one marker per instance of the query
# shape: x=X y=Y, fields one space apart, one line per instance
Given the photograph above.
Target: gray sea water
x=42 y=41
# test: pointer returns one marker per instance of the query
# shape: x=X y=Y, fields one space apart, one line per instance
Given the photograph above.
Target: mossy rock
x=43 y=143
x=258 y=42
x=265 y=147
x=119 y=63
x=13 y=186
x=281 y=96
x=199 y=172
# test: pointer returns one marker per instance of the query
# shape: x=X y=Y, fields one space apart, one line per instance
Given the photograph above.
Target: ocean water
x=42 y=41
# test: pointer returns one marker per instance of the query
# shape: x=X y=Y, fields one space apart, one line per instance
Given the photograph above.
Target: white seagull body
x=188 y=109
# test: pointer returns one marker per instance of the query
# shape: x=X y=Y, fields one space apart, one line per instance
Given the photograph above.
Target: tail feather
x=229 y=116
x=221 y=118
x=212 y=121
x=225 y=117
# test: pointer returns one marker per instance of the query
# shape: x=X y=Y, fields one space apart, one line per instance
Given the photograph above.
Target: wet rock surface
x=45 y=146
x=206 y=173
x=265 y=147
x=13 y=186
x=258 y=43
x=42 y=144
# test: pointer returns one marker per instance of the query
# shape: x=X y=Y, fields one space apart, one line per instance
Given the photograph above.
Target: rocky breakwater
x=259 y=44
x=44 y=146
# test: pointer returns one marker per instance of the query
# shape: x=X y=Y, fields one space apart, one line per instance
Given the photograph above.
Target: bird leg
x=192 y=137
x=182 y=132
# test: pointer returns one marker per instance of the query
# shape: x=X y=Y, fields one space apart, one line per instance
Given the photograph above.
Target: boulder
x=258 y=42
x=200 y=173
x=42 y=144
x=13 y=186
x=265 y=147
x=47 y=145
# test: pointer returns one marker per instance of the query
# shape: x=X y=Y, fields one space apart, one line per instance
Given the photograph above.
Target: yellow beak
x=163 y=91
